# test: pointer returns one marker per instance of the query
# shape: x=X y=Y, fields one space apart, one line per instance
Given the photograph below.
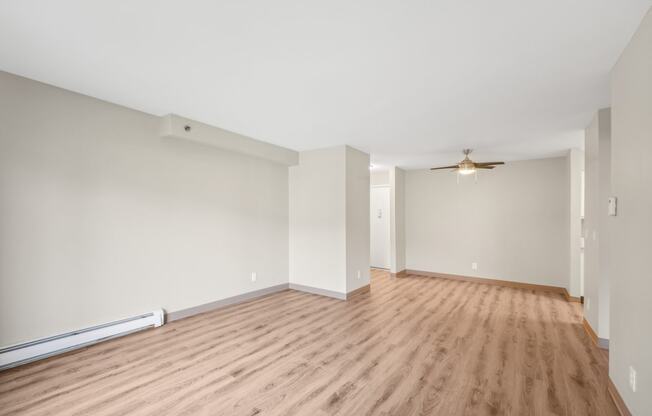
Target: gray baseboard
x=184 y=313
x=206 y=307
x=318 y=291
x=603 y=343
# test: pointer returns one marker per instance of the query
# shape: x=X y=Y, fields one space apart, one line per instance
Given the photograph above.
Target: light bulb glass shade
x=466 y=171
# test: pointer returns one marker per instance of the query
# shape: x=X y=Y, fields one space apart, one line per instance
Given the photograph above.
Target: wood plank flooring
x=412 y=346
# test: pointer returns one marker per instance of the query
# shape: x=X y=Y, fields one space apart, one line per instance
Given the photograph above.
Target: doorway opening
x=379 y=227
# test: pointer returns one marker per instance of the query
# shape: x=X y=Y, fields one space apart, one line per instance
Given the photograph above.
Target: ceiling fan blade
x=445 y=167
x=489 y=163
x=484 y=167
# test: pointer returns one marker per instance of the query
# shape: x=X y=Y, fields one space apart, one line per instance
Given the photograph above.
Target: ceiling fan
x=467 y=166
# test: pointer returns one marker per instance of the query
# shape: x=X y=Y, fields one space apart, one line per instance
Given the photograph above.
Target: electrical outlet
x=474 y=266
x=359 y=275
x=632 y=378
x=253 y=276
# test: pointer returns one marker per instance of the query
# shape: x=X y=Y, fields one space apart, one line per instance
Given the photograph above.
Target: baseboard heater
x=35 y=350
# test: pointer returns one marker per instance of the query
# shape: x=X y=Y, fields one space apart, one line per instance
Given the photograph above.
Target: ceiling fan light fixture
x=469 y=167
x=466 y=171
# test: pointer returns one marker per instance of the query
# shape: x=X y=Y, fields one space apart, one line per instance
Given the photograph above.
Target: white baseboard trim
x=318 y=291
x=206 y=307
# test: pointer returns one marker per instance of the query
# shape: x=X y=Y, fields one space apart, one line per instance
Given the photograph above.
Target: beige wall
x=101 y=218
x=329 y=219
x=596 y=252
x=395 y=179
x=630 y=342
x=379 y=178
x=397 y=219
x=357 y=219
x=575 y=167
x=318 y=220
x=513 y=222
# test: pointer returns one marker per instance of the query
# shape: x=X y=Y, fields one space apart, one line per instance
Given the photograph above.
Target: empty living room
x=298 y=208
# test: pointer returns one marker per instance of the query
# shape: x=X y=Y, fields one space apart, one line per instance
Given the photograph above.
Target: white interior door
x=379 y=203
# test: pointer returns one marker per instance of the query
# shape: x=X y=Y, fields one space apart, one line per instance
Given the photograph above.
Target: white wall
x=397 y=219
x=513 y=222
x=357 y=219
x=379 y=227
x=395 y=179
x=575 y=168
x=101 y=218
x=630 y=341
x=379 y=178
x=329 y=219
x=318 y=219
x=596 y=254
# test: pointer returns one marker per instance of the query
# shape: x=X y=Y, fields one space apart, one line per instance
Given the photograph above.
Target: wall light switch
x=632 y=378
x=359 y=275
x=253 y=276
x=613 y=202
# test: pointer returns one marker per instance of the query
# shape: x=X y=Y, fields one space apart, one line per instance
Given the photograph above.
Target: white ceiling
x=411 y=82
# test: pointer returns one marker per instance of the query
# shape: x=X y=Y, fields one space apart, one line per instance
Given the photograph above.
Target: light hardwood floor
x=412 y=346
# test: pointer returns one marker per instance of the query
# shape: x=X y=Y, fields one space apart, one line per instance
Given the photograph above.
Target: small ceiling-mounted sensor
x=187 y=128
